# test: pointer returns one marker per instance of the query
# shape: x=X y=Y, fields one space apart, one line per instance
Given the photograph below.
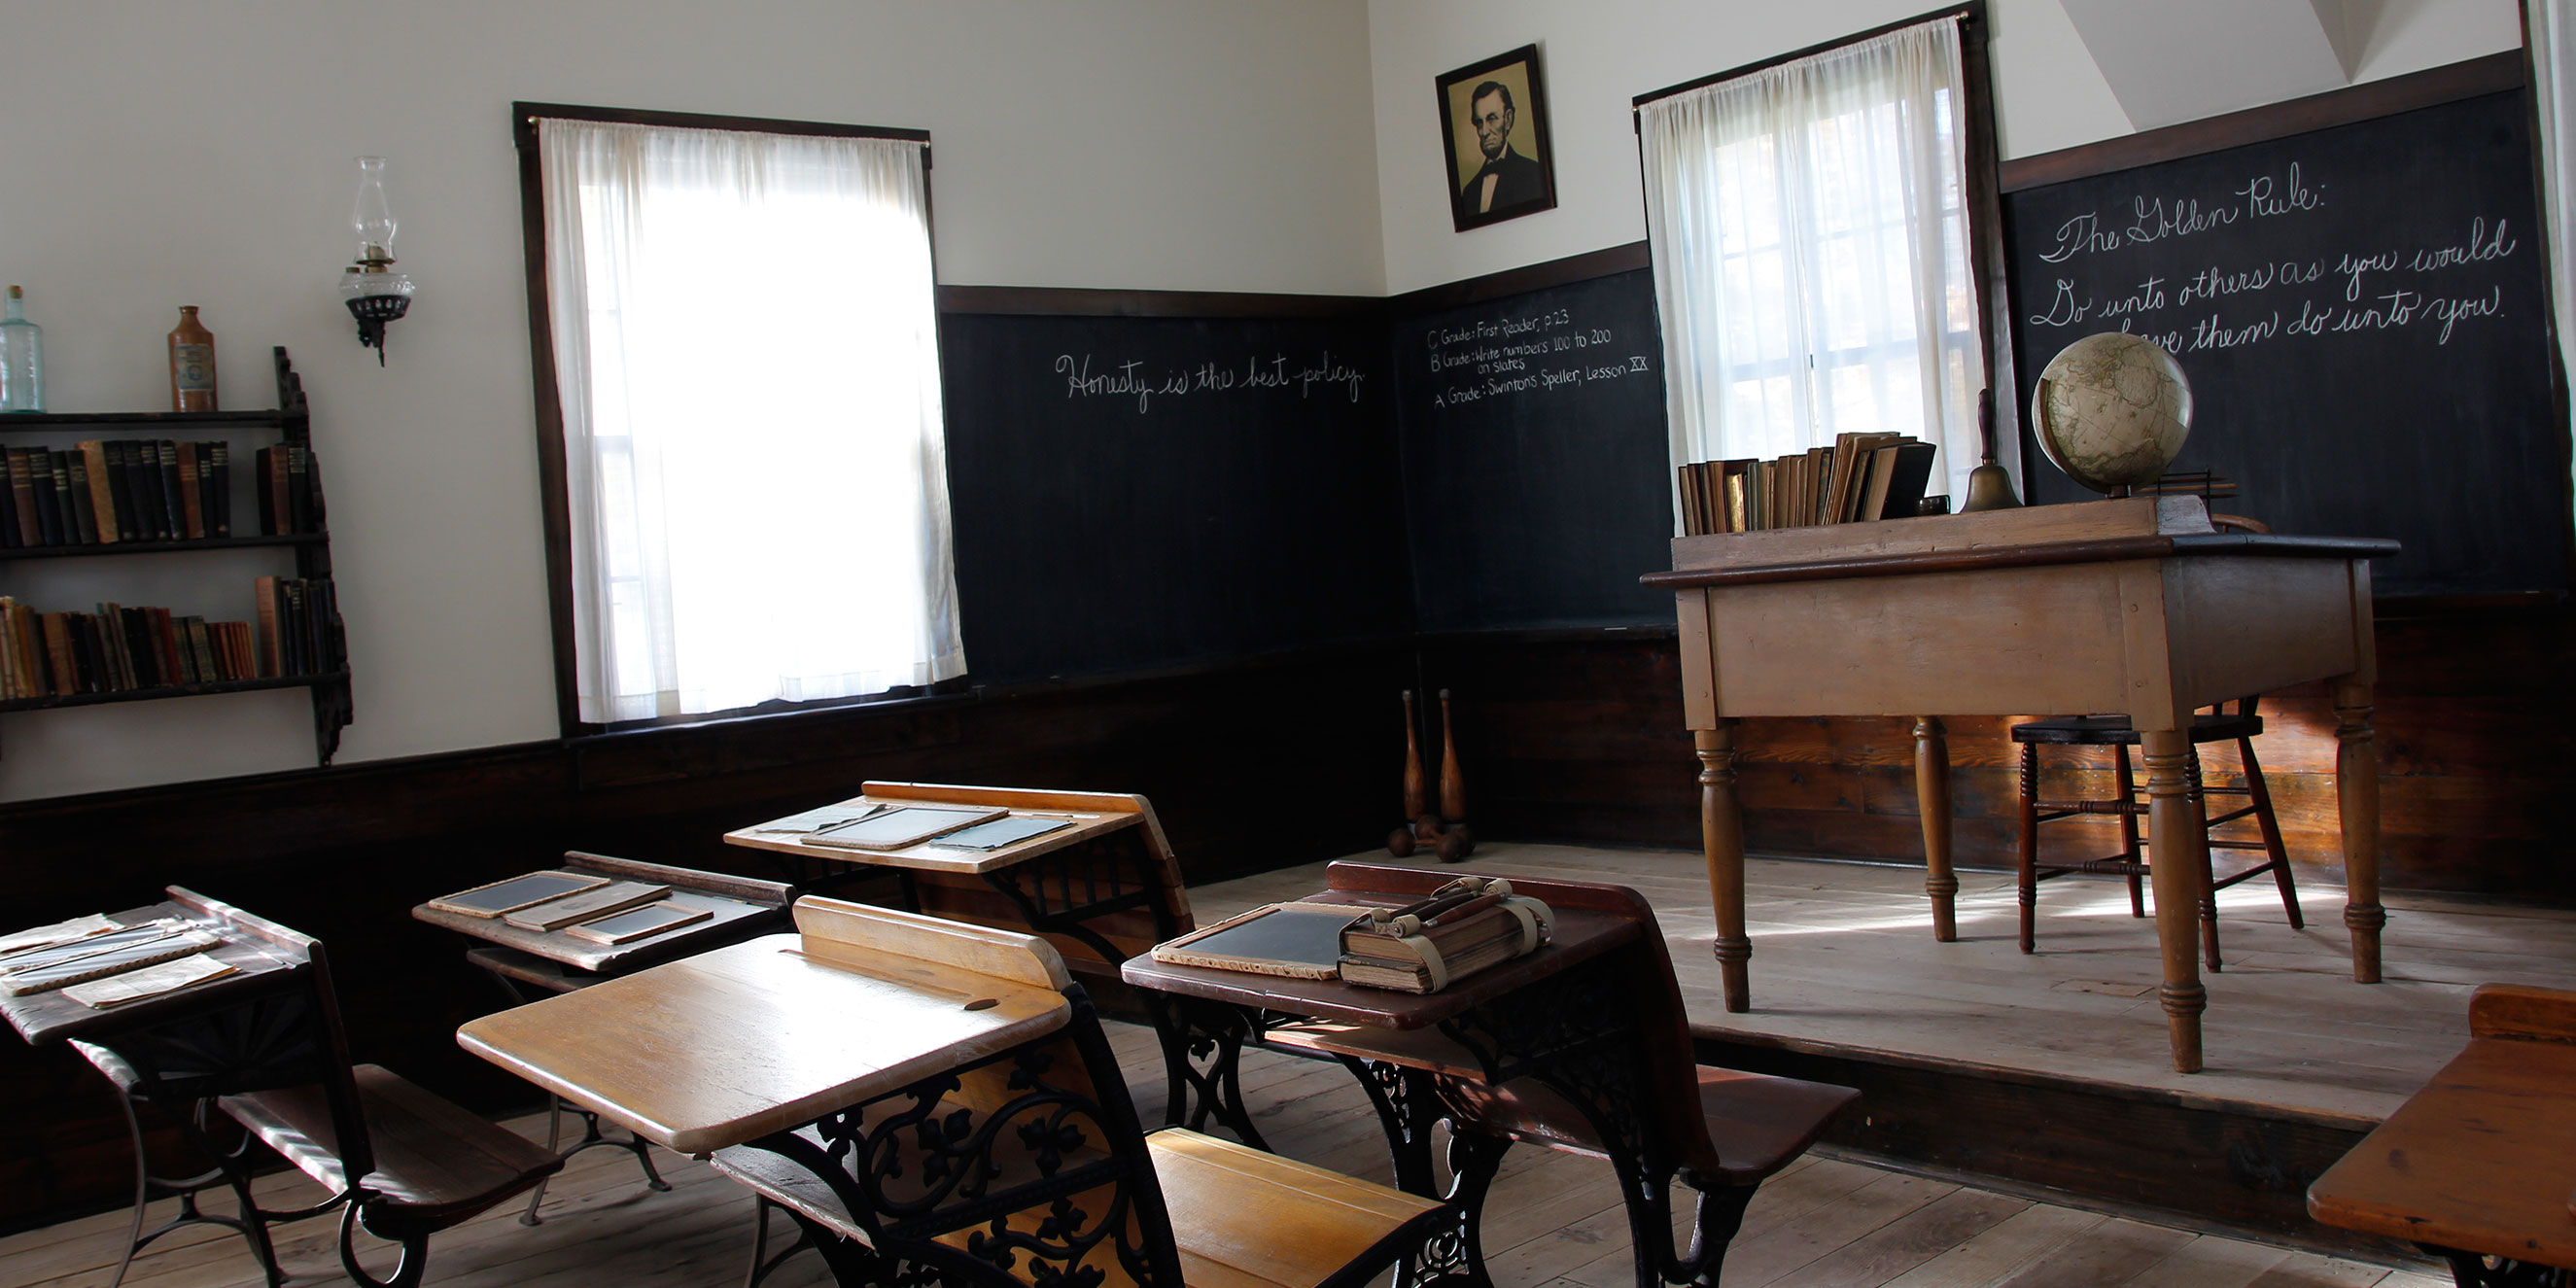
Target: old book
x=8 y=510
x=1687 y=479
x=97 y=474
x=264 y=497
x=1908 y=479
x=299 y=488
x=518 y=892
x=49 y=514
x=903 y=826
x=555 y=914
x=58 y=654
x=120 y=487
x=316 y=517
x=22 y=491
x=9 y=681
x=174 y=512
x=200 y=644
x=638 y=923
x=192 y=502
x=264 y=602
x=145 y=479
x=219 y=488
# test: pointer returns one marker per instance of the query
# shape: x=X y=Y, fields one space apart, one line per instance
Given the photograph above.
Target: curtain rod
x=1970 y=13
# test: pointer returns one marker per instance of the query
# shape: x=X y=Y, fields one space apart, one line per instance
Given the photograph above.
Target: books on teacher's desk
x=1860 y=478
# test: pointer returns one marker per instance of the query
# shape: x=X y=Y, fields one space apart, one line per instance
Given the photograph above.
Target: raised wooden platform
x=2052 y=1070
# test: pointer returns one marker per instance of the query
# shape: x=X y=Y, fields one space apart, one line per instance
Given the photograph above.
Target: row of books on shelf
x=1860 y=477
x=119 y=649
x=103 y=492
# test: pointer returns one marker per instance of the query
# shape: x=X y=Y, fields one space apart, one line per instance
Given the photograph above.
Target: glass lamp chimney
x=374 y=293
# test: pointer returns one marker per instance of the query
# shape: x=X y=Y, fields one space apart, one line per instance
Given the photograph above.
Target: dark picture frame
x=1520 y=178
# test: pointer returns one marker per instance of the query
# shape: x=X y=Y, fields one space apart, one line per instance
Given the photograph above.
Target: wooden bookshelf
x=292 y=419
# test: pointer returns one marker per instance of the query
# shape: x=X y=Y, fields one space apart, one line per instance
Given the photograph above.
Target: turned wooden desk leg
x=2178 y=871
x=1932 y=797
x=2357 y=798
x=1721 y=829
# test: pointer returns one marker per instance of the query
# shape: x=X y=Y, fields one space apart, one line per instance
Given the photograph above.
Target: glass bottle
x=192 y=363
x=22 y=358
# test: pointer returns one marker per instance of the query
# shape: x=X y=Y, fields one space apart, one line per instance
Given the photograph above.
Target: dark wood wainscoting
x=1250 y=767
x=1577 y=736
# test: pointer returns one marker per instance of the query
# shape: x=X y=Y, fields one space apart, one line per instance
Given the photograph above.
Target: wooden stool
x=2215 y=725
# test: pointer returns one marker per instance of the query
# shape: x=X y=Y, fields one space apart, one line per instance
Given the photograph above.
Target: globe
x=2112 y=410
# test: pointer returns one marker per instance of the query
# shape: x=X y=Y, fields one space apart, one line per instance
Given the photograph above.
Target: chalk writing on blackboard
x=1143 y=382
x=2227 y=304
x=1531 y=352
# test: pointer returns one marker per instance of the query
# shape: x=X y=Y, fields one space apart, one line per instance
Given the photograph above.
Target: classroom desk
x=1085 y=883
x=746 y=1043
x=2134 y=605
x=553 y=961
x=178 y=1050
x=1559 y=1015
x=2482 y=1161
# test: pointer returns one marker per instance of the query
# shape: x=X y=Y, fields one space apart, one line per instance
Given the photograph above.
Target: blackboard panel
x=1535 y=479
x=1139 y=492
x=2359 y=310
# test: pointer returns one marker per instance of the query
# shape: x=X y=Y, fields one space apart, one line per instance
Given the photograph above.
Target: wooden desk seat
x=403 y=1162
x=1757 y=1123
x=436 y=1162
x=1234 y=1217
x=1722 y=1131
x=1239 y=1217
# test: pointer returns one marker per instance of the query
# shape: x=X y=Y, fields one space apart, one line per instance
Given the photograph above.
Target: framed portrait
x=1493 y=127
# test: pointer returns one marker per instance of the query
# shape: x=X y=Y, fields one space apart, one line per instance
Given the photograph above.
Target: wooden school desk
x=1564 y=1012
x=2482 y=1161
x=2134 y=606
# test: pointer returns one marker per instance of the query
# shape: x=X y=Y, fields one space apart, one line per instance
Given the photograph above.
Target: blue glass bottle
x=22 y=359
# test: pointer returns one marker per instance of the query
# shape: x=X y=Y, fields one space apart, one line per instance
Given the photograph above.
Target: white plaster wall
x=1600 y=55
x=161 y=152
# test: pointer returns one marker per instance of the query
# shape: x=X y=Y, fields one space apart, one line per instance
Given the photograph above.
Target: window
x=738 y=378
x=1810 y=226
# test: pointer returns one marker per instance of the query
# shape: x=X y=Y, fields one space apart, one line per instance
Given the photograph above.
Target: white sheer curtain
x=2550 y=32
x=1810 y=238
x=755 y=455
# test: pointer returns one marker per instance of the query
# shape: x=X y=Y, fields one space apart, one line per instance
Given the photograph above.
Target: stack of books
x=1471 y=924
x=1860 y=478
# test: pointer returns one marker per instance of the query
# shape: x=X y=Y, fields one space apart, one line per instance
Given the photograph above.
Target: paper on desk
x=151 y=981
x=56 y=933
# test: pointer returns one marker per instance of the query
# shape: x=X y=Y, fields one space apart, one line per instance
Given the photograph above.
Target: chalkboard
x=1130 y=493
x=2360 y=313
x=1536 y=488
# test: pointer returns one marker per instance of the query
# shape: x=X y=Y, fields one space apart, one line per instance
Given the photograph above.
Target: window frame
x=1982 y=201
x=552 y=484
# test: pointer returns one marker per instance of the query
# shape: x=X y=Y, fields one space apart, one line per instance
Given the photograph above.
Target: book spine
x=192 y=508
x=264 y=601
x=75 y=468
x=299 y=488
x=9 y=538
x=120 y=487
x=102 y=490
x=316 y=515
x=22 y=489
x=219 y=486
x=147 y=491
x=49 y=514
x=174 y=512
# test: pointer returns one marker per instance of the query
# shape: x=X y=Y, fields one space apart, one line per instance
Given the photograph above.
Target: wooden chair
x=1721 y=1131
x=1028 y=1166
x=2128 y=805
x=401 y=1162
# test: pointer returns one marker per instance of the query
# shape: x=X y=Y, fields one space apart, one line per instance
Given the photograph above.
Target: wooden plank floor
x=1843 y=953
x=1553 y=1219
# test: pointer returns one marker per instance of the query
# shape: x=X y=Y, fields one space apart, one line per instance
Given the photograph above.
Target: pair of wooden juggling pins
x=1446 y=831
